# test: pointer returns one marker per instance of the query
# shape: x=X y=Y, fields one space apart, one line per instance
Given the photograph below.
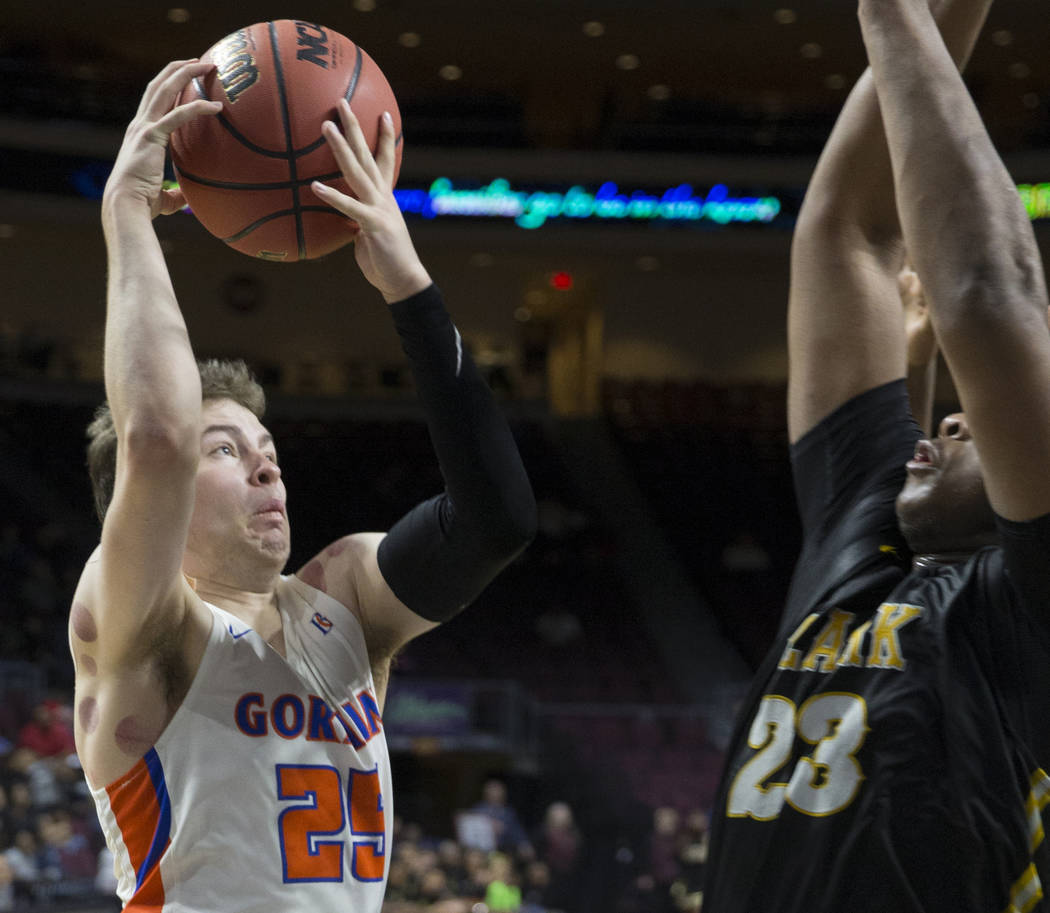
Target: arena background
x=641 y=359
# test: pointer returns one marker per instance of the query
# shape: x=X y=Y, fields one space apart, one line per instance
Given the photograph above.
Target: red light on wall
x=562 y=281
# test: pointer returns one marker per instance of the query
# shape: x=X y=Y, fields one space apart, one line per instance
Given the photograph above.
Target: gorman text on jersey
x=290 y=717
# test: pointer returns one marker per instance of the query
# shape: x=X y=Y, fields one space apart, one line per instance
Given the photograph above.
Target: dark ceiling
x=720 y=76
x=731 y=90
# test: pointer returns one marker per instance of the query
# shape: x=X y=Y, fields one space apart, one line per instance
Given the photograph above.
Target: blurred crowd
x=503 y=868
x=51 y=847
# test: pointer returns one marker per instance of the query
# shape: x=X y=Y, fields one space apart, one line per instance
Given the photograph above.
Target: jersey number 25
x=312 y=832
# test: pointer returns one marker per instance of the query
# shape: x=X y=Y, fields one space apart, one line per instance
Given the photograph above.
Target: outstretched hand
x=139 y=169
x=382 y=246
x=922 y=344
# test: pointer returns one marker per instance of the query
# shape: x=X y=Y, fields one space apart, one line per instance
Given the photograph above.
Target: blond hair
x=220 y=379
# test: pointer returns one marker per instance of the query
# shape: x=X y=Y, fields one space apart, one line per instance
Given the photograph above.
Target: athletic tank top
x=270 y=788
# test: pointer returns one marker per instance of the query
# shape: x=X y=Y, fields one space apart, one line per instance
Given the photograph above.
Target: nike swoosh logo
x=238 y=636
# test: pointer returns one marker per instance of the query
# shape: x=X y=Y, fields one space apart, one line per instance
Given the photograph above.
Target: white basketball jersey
x=270 y=789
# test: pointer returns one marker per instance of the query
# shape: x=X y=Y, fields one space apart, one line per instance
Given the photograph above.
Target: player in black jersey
x=892 y=753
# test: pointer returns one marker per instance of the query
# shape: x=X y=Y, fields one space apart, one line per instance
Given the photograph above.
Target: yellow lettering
x=823 y=653
x=1038 y=799
x=851 y=655
x=885 y=650
x=790 y=658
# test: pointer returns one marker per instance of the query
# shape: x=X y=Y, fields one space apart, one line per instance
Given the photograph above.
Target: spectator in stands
x=410 y=832
x=692 y=854
x=502 y=895
x=476 y=866
x=20 y=813
x=664 y=865
x=41 y=777
x=66 y=856
x=404 y=871
x=420 y=861
x=559 y=845
x=509 y=834
x=536 y=890
x=21 y=857
x=47 y=733
x=399 y=880
x=7 y=885
x=628 y=879
x=434 y=886
x=450 y=858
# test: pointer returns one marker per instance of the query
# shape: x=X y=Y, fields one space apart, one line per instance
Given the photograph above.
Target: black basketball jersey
x=890 y=756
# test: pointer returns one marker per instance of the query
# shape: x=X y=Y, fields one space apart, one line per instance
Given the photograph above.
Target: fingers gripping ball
x=246 y=173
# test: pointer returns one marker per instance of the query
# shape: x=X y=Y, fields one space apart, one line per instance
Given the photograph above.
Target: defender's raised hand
x=383 y=247
x=922 y=344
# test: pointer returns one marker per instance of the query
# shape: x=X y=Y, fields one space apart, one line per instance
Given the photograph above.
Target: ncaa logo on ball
x=235 y=65
x=313 y=44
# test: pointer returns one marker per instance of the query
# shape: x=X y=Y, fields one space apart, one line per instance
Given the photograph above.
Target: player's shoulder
x=348 y=572
x=83 y=625
x=339 y=569
x=92 y=614
x=346 y=552
x=85 y=614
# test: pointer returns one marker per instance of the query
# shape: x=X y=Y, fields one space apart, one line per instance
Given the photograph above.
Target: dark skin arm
x=971 y=241
x=845 y=332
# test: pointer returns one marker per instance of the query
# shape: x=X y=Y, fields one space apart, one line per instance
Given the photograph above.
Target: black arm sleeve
x=441 y=554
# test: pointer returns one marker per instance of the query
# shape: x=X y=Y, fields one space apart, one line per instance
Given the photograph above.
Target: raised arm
x=153 y=389
x=973 y=245
x=845 y=329
x=439 y=557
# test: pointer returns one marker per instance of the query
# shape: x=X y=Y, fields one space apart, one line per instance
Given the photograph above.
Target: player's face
x=240 y=526
x=943 y=506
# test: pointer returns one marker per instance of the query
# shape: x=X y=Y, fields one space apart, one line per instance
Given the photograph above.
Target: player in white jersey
x=228 y=717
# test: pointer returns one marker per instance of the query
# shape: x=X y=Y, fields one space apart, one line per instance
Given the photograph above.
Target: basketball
x=246 y=172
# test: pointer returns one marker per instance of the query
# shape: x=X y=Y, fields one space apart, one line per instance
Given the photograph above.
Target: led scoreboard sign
x=526 y=206
x=534 y=208
x=1036 y=199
